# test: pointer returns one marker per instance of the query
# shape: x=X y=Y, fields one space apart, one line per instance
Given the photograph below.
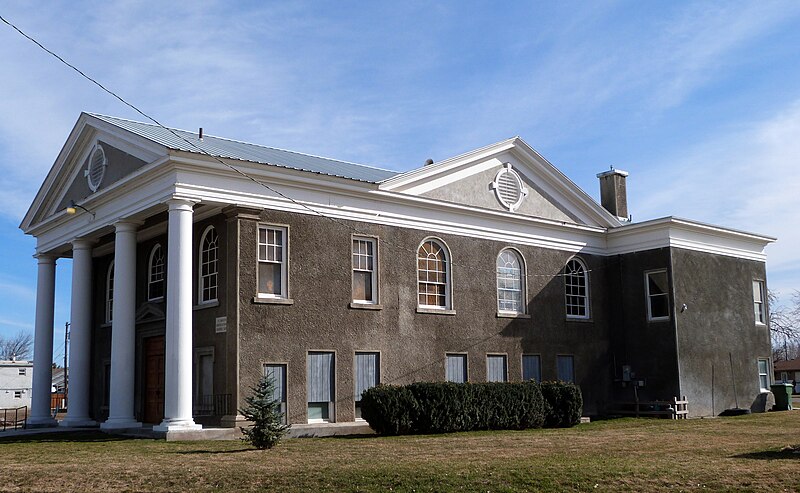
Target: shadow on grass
x=214 y=452
x=791 y=454
x=77 y=436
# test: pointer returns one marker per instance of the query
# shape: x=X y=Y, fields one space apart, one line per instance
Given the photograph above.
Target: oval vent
x=97 y=168
x=509 y=188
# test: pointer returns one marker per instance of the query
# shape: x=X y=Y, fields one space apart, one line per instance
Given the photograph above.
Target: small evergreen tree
x=264 y=411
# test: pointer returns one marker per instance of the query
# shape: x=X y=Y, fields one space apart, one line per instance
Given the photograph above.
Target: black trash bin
x=783 y=396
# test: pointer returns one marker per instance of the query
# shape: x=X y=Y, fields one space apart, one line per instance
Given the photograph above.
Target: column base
x=84 y=422
x=233 y=421
x=177 y=424
x=120 y=424
x=44 y=422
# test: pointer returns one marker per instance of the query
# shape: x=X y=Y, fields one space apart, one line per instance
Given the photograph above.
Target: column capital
x=127 y=225
x=45 y=258
x=180 y=204
x=83 y=243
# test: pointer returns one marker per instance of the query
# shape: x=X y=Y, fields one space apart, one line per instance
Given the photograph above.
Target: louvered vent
x=97 y=168
x=509 y=188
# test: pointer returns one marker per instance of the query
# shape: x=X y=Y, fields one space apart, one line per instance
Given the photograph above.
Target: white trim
x=108 y=301
x=448 y=275
x=163 y=280
x=522 y=280
x=373 y=273
x=587 y=296
x=766 y=374
x=649 y=296
x=200 y=285
x=762 y=305
x=284 y=261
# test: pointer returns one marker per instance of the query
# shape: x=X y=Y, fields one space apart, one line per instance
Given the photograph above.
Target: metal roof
x=243 y=151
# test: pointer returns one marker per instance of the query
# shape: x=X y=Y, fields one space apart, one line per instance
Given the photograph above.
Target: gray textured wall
x=718 y=324
x=412 y=345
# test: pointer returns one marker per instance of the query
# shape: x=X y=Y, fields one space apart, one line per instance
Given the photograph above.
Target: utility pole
x=66 y=346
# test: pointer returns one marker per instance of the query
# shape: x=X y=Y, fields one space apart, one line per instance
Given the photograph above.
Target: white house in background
x=16 y=381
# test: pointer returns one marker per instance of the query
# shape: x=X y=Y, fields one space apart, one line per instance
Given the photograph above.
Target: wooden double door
x=153 y=379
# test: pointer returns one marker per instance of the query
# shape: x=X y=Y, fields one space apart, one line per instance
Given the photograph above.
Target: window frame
x=572 y=358
x=523 y=301
x=765 y=374
x=374 y=274
x=109 y=293
x=465 y=356
x=539 y=365
x=649 y=296
x=448 y=274
x=284 y=407
x=284 y=263
x=378 y=372
x=760 y=307
x=163 y=281
x=200 y=276
x=504 y=358
x=331 y=404
x=586 y=297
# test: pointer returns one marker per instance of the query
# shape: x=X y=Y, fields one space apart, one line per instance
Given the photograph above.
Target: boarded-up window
x=456 y=368
x=566 y=368
x=496 y=368
x=531 y=367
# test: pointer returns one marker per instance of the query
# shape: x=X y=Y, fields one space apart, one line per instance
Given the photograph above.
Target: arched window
x=510 y=282
x=576 y=289
x=110 y=293
x=209 y=256
x=155 y=283
x=433 y=274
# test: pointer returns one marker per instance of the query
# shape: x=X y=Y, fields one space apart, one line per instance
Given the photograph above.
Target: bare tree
x=18 y=347
x=784 y=324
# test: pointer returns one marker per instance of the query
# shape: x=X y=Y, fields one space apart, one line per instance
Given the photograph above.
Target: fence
x=13 y=418
x=675 y=409
x=213 y=405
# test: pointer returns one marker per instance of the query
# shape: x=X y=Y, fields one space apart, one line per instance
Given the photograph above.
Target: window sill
x=512 y=315
x=207 y=304
x=365 y=306
x=580 y=319
x=106 y=325
x=760 y=324
x=160 y=299
x=657 y=320
x=435 y=311
x=273 y=301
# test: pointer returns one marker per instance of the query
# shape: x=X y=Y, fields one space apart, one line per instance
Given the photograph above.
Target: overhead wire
x=272 y=189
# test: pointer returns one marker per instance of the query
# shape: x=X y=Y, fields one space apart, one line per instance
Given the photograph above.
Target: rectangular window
x=566 y=368
x=364 y=270
x=272 y=261
x=657 y=286
x=277 y=373
x=531 y=367
x=22 y=371
x=319 y=380
x=456 y=368
x=758 y=302
x=17 y=394
x=763 y=374
x=496 y=368
x=367 y=375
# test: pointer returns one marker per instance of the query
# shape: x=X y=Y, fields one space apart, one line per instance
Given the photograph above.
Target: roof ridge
x=248 y=143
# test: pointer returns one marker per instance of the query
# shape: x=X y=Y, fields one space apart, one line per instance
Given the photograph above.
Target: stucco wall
x=718 y=326
x=412 y=345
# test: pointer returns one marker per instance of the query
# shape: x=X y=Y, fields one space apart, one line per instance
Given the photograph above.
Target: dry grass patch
x=731 y=454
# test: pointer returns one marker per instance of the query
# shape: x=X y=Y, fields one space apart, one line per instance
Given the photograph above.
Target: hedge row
x=443 y=407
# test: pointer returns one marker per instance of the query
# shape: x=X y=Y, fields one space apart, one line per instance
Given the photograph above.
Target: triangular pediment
x=120 y=154
x=508 y=176
x=149 y=312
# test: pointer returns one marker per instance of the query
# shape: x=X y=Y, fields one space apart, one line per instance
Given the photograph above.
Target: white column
x=123 y=330
x=80 y=339
x=178 y=358
x=43 y=343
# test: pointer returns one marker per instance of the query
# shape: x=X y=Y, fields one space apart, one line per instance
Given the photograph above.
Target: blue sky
x=700 y=102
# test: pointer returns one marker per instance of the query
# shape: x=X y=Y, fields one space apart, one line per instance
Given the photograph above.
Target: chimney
x=613 y=196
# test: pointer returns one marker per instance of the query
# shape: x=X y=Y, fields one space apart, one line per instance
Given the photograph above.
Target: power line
x=247 y=176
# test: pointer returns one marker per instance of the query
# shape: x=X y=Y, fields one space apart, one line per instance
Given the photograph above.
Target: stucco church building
x=200 y=264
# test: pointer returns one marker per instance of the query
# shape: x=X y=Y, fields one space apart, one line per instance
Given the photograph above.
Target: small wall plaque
x=222 y=324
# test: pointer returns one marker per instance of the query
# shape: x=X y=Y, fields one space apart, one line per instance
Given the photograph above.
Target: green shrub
x=389 y=409
x=563 y=404
x=444 y=407
x=264 y=412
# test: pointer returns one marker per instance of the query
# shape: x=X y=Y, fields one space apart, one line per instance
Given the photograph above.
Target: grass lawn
x=724 y=454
